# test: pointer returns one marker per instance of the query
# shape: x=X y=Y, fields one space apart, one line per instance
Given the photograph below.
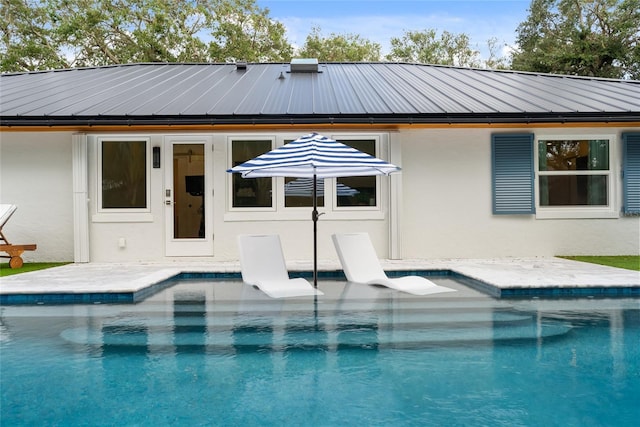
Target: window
x=250 y=192
x=124 y=169
x=558 y=177
x=573 y=172
x=358 y=190
x=298 y=192
x=285 y=198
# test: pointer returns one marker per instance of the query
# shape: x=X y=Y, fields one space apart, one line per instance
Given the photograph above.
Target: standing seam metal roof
x=340 y=92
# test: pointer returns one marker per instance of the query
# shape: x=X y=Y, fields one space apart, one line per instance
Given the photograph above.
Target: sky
x=380 y=20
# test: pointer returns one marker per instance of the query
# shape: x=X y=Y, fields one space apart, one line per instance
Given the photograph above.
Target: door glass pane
x=124 y=174
x=250 y=192
x=189 y=189
x=358 y=190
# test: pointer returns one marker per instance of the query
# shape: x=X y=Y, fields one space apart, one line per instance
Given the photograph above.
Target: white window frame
x=122 y=214
x=330 y=210
x=579 y=212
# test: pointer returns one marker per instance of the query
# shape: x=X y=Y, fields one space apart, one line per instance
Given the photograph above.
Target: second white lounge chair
x=262 y=264
x=361 y=265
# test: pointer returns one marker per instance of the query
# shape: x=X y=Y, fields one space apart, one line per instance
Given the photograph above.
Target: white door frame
x=188 y=246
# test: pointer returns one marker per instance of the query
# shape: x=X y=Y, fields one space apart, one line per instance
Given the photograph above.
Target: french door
x=188 y=196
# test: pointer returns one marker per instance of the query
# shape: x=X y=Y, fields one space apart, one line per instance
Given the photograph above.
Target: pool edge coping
x=140 y=294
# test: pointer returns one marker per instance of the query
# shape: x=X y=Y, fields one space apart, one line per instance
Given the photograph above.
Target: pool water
x=222 y=353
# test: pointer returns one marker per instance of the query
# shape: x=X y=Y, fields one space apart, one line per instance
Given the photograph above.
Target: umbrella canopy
x=314 y=156
x=303 y=187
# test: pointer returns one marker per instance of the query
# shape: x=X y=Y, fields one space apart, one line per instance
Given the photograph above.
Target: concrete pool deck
x=497 y=277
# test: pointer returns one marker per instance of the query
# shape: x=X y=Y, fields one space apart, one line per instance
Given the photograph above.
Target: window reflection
x=574 y=155
x=124 y=174
x=569 y=172
x=358 y=190
x=250 y=192
x=298 y=192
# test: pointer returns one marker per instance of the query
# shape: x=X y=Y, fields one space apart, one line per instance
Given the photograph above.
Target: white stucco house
x=128 y=162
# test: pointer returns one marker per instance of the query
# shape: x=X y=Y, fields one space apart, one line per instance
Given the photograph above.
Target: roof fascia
x=271 y=120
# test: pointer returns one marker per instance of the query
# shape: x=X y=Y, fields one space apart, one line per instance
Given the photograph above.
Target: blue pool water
x=221 y=353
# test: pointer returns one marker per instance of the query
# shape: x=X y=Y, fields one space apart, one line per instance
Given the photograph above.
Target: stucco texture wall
x=447 y=210
x=36 y=176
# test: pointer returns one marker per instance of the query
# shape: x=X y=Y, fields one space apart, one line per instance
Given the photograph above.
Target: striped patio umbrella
x=318 y=157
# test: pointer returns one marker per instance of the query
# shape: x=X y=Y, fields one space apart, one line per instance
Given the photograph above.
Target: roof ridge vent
x=304 y=65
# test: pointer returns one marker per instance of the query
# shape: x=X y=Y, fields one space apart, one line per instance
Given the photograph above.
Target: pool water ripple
x=186 y=357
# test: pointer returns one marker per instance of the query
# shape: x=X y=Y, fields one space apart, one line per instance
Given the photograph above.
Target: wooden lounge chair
x=361 y=265
x=14 y=251
x=263 y=266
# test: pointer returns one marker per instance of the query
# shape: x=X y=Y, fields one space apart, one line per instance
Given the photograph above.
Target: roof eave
x=373 y=119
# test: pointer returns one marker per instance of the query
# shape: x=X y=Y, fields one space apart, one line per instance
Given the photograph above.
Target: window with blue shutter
x=512 y=174
x=631 y=173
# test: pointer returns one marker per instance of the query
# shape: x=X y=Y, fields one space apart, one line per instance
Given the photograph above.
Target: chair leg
x=15 y=262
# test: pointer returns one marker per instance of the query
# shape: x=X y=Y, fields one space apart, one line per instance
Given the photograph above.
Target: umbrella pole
x=314 y=217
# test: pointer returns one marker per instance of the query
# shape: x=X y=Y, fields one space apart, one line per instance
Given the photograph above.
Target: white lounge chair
x=361 y=265
x=262 y=264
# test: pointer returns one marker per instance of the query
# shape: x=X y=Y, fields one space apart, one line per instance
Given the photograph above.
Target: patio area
x=505 y=277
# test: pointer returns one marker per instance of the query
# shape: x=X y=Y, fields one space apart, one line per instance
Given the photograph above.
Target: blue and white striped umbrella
x=314 y=156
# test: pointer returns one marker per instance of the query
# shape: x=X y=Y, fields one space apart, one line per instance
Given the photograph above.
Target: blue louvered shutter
x=512 y=174
x=631 y=173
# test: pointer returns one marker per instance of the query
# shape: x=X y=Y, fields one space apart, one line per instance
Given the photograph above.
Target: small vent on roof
x=304 y=65
x=241 y=66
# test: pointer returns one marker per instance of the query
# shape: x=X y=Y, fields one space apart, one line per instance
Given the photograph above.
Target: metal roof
x=371 y=93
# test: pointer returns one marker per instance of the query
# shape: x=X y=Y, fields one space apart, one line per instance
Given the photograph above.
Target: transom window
x=573 y=172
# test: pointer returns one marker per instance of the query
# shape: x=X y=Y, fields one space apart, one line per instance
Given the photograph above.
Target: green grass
x=630 y=262
x=5 y=270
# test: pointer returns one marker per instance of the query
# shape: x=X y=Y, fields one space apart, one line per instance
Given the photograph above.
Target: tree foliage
x=427 y=48
x=583 y=37
x=339 y=47
x=27 y=41
x=243 y=31
x=40 y=34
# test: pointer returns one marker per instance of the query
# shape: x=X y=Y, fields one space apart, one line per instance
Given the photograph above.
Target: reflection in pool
x=222 y=353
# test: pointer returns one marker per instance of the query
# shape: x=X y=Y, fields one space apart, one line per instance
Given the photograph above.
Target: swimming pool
x=221 y=353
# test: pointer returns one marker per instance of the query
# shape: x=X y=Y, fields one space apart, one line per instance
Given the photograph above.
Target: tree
x=496 y=60
x=26 y=41
x=339 y=47
x=243 y=31
x=583 y=37
x=41 y=34
x=425 y=47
